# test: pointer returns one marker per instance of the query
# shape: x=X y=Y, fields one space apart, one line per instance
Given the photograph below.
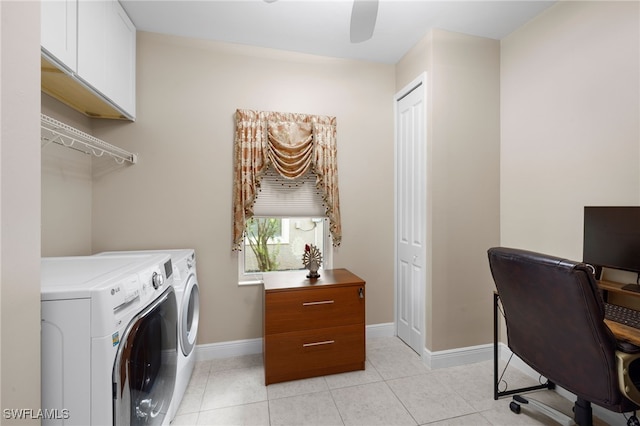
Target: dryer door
x=190 y=315
x=144 y=372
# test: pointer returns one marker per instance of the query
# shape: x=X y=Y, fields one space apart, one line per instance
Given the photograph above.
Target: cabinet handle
x=361 y=293
x=326 y=342
x=323 y=302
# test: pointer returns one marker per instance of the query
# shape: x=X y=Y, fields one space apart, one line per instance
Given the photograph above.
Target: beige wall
x=465 y=119
x=568 y=103
x=176 y=196
x=20 y=207
x=67 y=183
x=416 y=61
x=179 y=195
x=463 y=141
x=570 y=122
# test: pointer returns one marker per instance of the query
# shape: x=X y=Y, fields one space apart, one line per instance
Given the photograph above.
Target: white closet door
x=411 y=215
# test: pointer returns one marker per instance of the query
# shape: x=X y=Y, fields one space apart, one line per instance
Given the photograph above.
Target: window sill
x=257 y=281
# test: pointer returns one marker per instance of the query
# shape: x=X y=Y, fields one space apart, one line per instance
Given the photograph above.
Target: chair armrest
x=625 y=382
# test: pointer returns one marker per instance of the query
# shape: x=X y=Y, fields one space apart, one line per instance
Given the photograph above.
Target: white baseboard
x=458 y=356
x=254 y=346
x=381 y=330
x=228 y=349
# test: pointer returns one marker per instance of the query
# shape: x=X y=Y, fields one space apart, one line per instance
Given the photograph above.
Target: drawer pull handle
x=326 y=342
x=323 y=302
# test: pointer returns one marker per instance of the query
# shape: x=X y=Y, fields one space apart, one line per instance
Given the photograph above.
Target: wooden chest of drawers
x=313 y=327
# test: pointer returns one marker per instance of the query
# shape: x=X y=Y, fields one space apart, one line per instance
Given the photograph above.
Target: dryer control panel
x=125 y=291
x=156 y=278
x=116 y=303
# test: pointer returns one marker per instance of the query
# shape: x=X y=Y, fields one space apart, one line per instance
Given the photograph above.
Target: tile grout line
x=335 y=404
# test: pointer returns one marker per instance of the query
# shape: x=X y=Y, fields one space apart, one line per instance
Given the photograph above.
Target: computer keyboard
x=622 y=315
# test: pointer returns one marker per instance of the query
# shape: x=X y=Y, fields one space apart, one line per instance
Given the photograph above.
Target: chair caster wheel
x=515 y=407
x=633 y=421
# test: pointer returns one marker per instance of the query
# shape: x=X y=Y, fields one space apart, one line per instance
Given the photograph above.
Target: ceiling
x=321 y=27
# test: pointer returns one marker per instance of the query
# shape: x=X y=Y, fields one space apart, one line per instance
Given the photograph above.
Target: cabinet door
x=121 y=59
x=92 y=43
x=106 y=51
x=58 y=25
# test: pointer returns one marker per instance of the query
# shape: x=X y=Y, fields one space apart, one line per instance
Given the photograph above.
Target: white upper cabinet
x=92 y=42
x=105 y=60
x=121 y=58
x=107 y=50
x=58 y=31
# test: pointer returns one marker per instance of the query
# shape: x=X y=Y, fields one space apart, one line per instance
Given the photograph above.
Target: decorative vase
x=312 y=259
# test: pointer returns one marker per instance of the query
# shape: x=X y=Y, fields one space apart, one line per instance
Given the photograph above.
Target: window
x=266 y=250
x=275 y=230
x=287 y=215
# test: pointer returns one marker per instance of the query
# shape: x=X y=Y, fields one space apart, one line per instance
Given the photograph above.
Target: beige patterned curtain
x=291 y=144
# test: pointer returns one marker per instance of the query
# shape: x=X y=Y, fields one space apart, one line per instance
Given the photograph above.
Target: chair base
x=583 y=413
x=550 y=412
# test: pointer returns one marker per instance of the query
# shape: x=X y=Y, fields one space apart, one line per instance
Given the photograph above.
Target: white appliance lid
x=79 y=276
x=177 y=255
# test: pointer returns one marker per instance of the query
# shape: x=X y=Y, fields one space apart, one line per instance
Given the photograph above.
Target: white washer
x=109 y=340
x=185 y=282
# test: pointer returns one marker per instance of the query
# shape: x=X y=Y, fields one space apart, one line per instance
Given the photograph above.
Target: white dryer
x=185 y=282
x=109 y=340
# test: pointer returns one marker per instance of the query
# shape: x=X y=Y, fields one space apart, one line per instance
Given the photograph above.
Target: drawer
x=290 y=356
x=313 y=308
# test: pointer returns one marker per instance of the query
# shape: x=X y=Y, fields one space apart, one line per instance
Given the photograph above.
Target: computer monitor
x=612 y=238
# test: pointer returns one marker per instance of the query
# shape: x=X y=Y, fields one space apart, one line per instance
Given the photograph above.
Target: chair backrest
x=554 y=316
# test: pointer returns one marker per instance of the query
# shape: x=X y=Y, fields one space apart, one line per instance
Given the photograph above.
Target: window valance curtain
x=291 y=143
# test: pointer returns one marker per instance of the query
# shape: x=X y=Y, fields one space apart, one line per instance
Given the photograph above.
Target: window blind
x=280 y=197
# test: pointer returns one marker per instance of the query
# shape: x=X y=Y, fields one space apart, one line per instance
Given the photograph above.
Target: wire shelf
x=58 y=132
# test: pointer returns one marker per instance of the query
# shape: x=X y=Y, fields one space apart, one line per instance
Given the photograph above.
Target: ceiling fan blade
x=363 y=20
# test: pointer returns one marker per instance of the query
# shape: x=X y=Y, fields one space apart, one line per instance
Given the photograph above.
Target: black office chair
x=554 y=315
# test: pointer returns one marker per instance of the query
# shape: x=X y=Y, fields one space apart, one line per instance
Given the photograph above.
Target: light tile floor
x=396 y=388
